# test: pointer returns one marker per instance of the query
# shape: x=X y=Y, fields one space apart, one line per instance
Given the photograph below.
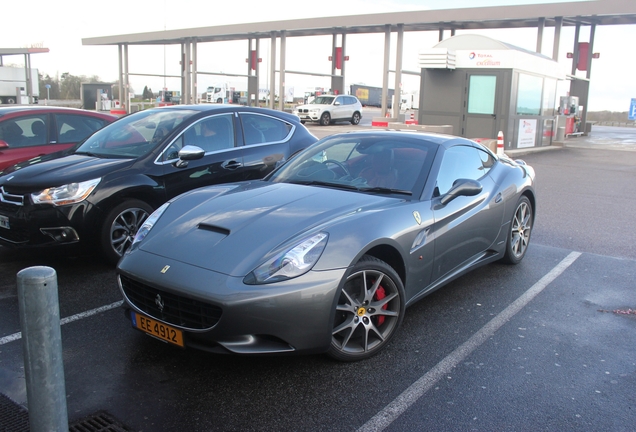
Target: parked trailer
x=13 y=85
x=370 y=96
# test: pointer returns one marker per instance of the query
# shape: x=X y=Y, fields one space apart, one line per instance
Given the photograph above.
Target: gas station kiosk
x=481 y=86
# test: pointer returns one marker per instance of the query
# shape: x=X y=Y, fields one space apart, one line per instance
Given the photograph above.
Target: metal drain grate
x=99 y=422
x=13 y=417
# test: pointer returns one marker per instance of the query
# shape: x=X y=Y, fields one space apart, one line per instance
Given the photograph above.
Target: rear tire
x=519 y=232
x=120 y=226
x=356 y=118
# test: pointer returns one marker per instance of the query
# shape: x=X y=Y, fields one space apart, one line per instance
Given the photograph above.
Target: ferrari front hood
x=233 y=231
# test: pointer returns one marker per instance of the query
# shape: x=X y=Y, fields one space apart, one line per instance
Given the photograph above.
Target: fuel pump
x=569 y=108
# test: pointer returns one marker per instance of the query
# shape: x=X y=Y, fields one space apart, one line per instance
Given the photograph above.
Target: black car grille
x=10 y=203
x=303 y=110
x=177 y=310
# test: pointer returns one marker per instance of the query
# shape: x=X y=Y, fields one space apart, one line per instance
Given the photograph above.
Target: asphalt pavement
x=544 y=345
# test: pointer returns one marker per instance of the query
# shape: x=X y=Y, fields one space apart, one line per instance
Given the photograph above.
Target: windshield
x=323 y=100
x=378 y=163
x=134 y=135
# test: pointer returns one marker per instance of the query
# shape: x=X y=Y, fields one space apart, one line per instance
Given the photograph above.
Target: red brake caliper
x=379 y=295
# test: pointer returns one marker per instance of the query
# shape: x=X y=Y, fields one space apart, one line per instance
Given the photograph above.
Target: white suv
x=327 y=109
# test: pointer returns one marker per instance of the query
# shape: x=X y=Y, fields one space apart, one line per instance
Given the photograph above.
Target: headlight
x=290 y=263
x=314 y=110
x=147 y=226
x=68 y=194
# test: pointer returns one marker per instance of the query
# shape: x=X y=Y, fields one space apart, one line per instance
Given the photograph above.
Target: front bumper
x=30 y=225
x=291 y=316
x=308 y=116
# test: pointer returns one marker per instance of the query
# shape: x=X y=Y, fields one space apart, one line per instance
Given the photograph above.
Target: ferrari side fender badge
x=417 y=217
x=165 y=269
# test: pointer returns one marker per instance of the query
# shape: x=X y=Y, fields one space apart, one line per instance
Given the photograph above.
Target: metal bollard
x=42 y=349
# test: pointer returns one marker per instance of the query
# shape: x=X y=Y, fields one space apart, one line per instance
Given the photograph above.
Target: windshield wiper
x=324 y=183
x=386 y=190
x=85 y=153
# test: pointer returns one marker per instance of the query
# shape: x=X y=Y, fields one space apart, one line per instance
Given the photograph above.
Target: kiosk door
x=482 y=101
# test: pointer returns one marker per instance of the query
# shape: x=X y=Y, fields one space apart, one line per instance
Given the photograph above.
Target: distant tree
x=70 y=86
x=53 y=91
x=147 y=93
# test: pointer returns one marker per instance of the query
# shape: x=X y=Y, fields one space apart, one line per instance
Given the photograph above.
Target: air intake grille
x=177 y=310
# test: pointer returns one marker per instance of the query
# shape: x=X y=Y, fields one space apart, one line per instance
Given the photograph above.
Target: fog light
x=61 y=234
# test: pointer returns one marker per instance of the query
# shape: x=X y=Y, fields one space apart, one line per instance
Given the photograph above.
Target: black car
x=101 y=193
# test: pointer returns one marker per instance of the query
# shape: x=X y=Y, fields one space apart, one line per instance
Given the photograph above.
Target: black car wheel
x=120 y=227
x=519 y=234
x=356 y=118
x=325 y=119
x=369 y=310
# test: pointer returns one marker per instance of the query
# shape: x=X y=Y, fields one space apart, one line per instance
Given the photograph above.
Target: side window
x=212 y=133
x=486 y=159
x=459 y=162
x=259 y=129
x=24 y=131
x=73 y=128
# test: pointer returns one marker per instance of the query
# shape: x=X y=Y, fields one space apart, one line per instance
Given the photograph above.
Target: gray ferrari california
x=325 y=253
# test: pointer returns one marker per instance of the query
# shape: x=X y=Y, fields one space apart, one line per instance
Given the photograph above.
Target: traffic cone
x=387 y=115
x=500 y=144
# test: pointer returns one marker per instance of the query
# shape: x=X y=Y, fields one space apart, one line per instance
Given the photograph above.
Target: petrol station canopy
x=578 y=13
x=599 y=12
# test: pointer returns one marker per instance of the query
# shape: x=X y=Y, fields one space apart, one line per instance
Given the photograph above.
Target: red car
x=27 y=131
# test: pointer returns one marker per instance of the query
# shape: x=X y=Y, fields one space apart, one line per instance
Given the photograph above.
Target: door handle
x=231 y=165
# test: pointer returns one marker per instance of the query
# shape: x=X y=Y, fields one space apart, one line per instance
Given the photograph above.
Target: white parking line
x=400 y=404
x=81 y=315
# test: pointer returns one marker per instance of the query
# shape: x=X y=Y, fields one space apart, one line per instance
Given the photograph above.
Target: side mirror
x=189 y=153
x=3 y=145
x=462 y=187
x=336 y=103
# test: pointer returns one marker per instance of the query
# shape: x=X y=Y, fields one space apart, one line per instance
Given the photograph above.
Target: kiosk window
x=529 y=94
x=481 y=94
x=549 y=96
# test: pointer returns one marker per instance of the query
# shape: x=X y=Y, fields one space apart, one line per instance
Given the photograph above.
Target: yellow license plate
x=157 y=329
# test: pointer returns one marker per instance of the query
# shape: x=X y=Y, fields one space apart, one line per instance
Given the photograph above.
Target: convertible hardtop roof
x=227 y=108
x=435 y=138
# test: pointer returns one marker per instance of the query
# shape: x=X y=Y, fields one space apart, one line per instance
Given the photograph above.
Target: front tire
x=369 y=310
x=219 y=100
x=120 y=227
x=519 y=234
x=325 y=119
x=355 y=119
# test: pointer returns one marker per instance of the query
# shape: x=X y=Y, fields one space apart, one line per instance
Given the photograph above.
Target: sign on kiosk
x=632 y=110
x=527 y=133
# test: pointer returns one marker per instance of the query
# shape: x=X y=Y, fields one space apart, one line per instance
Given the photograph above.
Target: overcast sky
x=61 y=26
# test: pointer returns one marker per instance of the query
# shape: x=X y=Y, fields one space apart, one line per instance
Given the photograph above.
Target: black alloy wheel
x=325 y=119
x=120 y=227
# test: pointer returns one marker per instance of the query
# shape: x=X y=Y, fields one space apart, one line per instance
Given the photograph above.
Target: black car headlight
x=290 y=263
x=147 y=226
x=66 y=194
